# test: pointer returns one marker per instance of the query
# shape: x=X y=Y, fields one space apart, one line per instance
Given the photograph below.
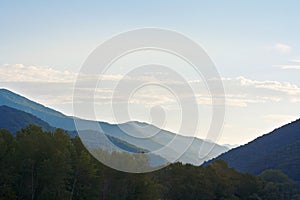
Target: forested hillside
x=279 y=149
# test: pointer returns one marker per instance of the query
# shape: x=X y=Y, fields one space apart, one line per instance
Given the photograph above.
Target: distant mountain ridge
x=136 y=129
x=279 y=149
x=13 y=120
x=53 y=117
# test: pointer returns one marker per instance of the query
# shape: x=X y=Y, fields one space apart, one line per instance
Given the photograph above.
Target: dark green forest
x=37 y=164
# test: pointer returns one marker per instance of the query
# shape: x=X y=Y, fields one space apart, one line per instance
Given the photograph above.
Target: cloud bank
x=239 y=91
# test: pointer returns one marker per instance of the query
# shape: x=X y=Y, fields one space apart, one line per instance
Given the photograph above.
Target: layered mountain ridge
x=175 y=147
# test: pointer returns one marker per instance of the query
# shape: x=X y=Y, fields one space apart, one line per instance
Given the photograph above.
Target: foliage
x=50 y=165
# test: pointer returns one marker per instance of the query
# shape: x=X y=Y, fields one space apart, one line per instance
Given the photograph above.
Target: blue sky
x=255 y=40
x=231 y=31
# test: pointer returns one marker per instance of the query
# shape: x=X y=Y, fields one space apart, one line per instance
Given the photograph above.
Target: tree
x=7 y=149
x=50 y=165
x=277 y=185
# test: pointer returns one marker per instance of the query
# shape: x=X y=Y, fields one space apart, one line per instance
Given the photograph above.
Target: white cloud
x=289 y=66
x=279 y=48
x=44 y=74
x=295 y=100
x=282 y=48
x=22 y=73
x=260 y=87
x=295 y=64
x=295 y=60
x=239 y=91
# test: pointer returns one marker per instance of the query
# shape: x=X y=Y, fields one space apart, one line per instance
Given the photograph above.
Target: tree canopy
x=36 y=164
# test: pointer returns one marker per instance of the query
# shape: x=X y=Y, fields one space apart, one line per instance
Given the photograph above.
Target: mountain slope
x=54 y=118
x=140 y=134
x=279 y=149
x=13 y=120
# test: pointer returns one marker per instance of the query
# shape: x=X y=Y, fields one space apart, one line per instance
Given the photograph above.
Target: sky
x=255 y=46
